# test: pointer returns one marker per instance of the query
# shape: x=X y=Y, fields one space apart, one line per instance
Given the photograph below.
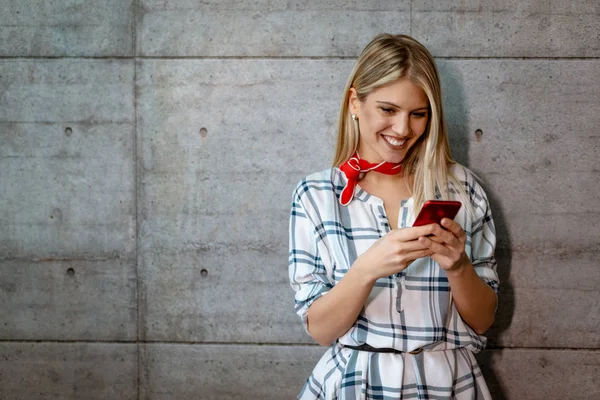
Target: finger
x=415 y=255
x=413 y=233
x=437 y=248
x=443 y=236
x=453 y=227
x=436 y=239
x=437 y=233
x=413 y=245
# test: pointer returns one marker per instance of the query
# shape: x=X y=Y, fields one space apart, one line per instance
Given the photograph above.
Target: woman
x=402 y=308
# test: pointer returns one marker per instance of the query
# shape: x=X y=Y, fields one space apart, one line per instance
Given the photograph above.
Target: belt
x=366 y=347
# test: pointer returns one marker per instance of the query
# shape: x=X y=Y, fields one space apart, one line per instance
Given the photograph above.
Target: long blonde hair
x=388 y=58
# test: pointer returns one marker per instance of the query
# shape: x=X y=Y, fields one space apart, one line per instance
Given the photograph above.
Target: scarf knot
x=356 y=166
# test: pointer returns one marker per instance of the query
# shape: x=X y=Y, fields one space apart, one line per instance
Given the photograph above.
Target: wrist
x=363 y=272
x=459 y=269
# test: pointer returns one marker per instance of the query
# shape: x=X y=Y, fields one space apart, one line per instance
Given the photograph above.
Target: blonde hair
x=386 y=59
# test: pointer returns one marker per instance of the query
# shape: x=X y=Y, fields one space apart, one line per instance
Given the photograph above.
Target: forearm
x=333 y=314
x=474 y=299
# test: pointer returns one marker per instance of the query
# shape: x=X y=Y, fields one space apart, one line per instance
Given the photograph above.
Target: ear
x=353 y=102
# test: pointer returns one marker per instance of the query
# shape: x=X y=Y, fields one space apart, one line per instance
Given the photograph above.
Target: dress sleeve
x=308 y=275
x=483 y=241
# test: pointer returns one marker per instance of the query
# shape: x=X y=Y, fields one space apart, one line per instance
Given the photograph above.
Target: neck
x=376 y=178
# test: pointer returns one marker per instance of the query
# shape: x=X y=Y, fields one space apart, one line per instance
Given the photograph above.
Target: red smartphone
x=434 y=210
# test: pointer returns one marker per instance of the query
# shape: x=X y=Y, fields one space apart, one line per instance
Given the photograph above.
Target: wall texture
x=149 y=149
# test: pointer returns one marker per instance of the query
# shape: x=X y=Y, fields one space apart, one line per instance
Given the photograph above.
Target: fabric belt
x=366 y=347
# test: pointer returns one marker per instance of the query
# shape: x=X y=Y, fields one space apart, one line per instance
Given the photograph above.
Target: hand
x=394 y=252
x=447 y=245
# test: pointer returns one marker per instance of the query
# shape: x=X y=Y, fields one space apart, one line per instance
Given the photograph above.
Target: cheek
x=372 y=122
x=419 y=126
x=377 y=123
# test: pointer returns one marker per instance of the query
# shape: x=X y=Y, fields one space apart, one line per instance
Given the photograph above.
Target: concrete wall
x=148 y=151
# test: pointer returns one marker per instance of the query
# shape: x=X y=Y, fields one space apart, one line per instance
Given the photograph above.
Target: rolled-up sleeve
x=308 y=275
x=483 y=244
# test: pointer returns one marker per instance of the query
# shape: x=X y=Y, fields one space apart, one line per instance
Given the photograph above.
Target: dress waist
x=366 y=347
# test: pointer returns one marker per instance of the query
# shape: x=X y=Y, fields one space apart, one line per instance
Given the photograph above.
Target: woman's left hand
x=448 y=245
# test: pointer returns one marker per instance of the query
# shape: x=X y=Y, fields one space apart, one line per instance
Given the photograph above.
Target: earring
x=354 y=117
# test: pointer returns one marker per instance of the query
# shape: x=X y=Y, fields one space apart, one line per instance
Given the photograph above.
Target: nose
x=401 y=124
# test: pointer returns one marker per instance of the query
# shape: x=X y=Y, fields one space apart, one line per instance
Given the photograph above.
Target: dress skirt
x=348 y=374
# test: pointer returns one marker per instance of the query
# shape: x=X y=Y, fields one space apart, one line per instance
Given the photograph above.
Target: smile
x=393 y=141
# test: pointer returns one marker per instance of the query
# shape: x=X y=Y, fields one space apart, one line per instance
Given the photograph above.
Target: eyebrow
x=397 y=106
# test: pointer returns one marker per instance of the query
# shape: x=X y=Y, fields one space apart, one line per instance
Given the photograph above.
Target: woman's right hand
x=393 y=252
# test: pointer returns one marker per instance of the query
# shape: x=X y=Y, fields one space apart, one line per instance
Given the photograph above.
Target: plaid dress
x=407 y=311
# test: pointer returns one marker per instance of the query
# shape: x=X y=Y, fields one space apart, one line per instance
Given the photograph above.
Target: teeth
x=394 y=142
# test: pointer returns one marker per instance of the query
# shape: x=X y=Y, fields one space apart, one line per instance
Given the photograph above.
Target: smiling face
x=391 y=120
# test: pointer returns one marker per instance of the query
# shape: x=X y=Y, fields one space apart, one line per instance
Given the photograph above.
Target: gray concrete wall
x=148 y=151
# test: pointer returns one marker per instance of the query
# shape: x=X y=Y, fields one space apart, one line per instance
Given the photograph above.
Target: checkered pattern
x=405 y=311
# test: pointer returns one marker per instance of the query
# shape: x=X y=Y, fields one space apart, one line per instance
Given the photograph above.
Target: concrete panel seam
x=77 y=341
x=343 y=58
x=67 y=259
x=592 y=349
x=254 y=344
x=135 y=13
x=410 y=18
x=3 y=58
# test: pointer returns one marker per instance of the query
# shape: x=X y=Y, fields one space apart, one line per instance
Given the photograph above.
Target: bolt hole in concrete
x=203 y=132
x=70 y=272
x=68 y=131
x=478 y=134
x=204 y=273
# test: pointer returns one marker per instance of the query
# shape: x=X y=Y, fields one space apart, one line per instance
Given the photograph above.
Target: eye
x=387 y=110
x=420 y=114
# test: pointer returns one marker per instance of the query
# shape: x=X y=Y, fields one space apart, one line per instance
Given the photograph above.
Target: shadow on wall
x=456 y=115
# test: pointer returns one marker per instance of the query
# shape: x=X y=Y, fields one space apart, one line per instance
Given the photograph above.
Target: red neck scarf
x=355 y=166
